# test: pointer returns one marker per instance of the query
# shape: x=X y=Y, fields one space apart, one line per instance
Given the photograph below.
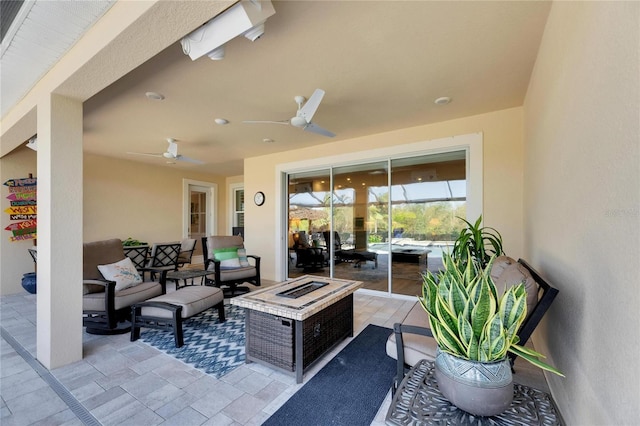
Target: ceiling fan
x=303 y=116
x=171 y=154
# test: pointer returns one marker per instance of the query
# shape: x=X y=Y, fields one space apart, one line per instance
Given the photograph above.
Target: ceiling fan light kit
x=244 y=18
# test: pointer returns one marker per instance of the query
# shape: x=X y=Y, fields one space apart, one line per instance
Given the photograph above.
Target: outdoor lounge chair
x=412 y=341
x=106 y=306
x=226 y=257
x=307 y=257
x=187 y=247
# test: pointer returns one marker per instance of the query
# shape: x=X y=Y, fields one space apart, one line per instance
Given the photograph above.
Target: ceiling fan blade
x=309 y=109
x=285 y=122
x=188 y=160
x=145 y=153
x=312 y=127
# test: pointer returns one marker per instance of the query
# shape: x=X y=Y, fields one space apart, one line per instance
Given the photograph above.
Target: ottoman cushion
x=193 y=299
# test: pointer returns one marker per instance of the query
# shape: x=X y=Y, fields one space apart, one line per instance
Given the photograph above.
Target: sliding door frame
x=470 y=143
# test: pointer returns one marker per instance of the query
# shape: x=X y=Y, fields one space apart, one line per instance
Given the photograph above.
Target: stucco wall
x=128 y=199
x=582 y=211
x=502 y=173
x=120 y=199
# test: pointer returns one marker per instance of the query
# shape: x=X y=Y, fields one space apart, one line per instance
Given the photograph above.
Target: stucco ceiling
x=382 y=65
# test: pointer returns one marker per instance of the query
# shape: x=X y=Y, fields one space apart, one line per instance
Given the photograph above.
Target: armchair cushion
x=237 y=274
x=416 y=346
x=123 y=298
x=506 y=272
x=123 y=272
x=233 y=274
x=99 y=253
x=228 y=257
x=105 y=308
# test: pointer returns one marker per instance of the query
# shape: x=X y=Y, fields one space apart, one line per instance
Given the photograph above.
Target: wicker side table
x=419 y=402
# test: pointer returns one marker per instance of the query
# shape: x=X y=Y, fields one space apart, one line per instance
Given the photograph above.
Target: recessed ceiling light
x=268 y=140
x=221 y=121
x=154 y=96
x=442 y=100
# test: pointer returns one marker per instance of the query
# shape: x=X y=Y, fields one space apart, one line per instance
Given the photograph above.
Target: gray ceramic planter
x=482 y=389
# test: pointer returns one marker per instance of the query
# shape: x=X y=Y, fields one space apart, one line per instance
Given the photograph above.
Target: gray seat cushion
x=123 y=298
x=235 y=273
x=416 y=347
x=192 y=299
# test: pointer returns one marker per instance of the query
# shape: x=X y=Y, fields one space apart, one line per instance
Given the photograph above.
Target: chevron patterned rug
x=210 y=346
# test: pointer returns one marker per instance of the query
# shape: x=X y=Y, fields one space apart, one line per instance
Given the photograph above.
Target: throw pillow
x=124 y=273
x=228 y=257
x=242 y=255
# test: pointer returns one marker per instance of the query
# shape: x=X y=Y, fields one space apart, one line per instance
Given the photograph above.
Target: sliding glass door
x=360 y=213
x=383 y=223
x=309 y=210
x=427 y=195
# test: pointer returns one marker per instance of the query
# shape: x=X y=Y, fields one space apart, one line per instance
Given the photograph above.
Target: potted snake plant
x=475 y=328
x=477 y=242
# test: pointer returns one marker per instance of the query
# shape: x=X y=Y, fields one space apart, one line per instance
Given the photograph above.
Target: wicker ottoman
x=166 y=312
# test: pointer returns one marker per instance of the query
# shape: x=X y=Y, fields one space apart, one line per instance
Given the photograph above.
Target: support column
x=59 y=307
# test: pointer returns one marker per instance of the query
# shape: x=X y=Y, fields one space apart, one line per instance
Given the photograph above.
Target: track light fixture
x=255 y=33
x=244 y=18
x=216 y=54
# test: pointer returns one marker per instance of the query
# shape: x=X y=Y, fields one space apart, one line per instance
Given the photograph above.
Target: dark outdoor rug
x=210 y=346
x=348 y=390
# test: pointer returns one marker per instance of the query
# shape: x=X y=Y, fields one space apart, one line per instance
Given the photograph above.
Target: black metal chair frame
x=34 y=254
x=311 y=258
x=138 y=255
x=545 y=299
x=112 y=321
x=164 y=256
x=234 y=290
x=172 y=324
x=184 y=257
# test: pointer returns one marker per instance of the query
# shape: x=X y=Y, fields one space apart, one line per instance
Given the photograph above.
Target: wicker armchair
x=105 y=309
x=225 y=275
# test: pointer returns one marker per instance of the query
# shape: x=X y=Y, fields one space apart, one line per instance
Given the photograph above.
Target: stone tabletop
x=188 y=273
x=328 y=291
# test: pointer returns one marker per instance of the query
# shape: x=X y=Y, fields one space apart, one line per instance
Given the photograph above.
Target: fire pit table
x=290 y=325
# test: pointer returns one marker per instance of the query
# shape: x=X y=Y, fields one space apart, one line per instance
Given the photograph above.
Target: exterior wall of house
x=502 y=176
x=128 y=199
x=582 y=205
x=121 y=199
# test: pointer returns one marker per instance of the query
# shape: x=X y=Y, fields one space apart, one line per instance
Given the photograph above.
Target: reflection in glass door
x=385 y=229
x=360 y=221
x=427 y=195
x=309 y=197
